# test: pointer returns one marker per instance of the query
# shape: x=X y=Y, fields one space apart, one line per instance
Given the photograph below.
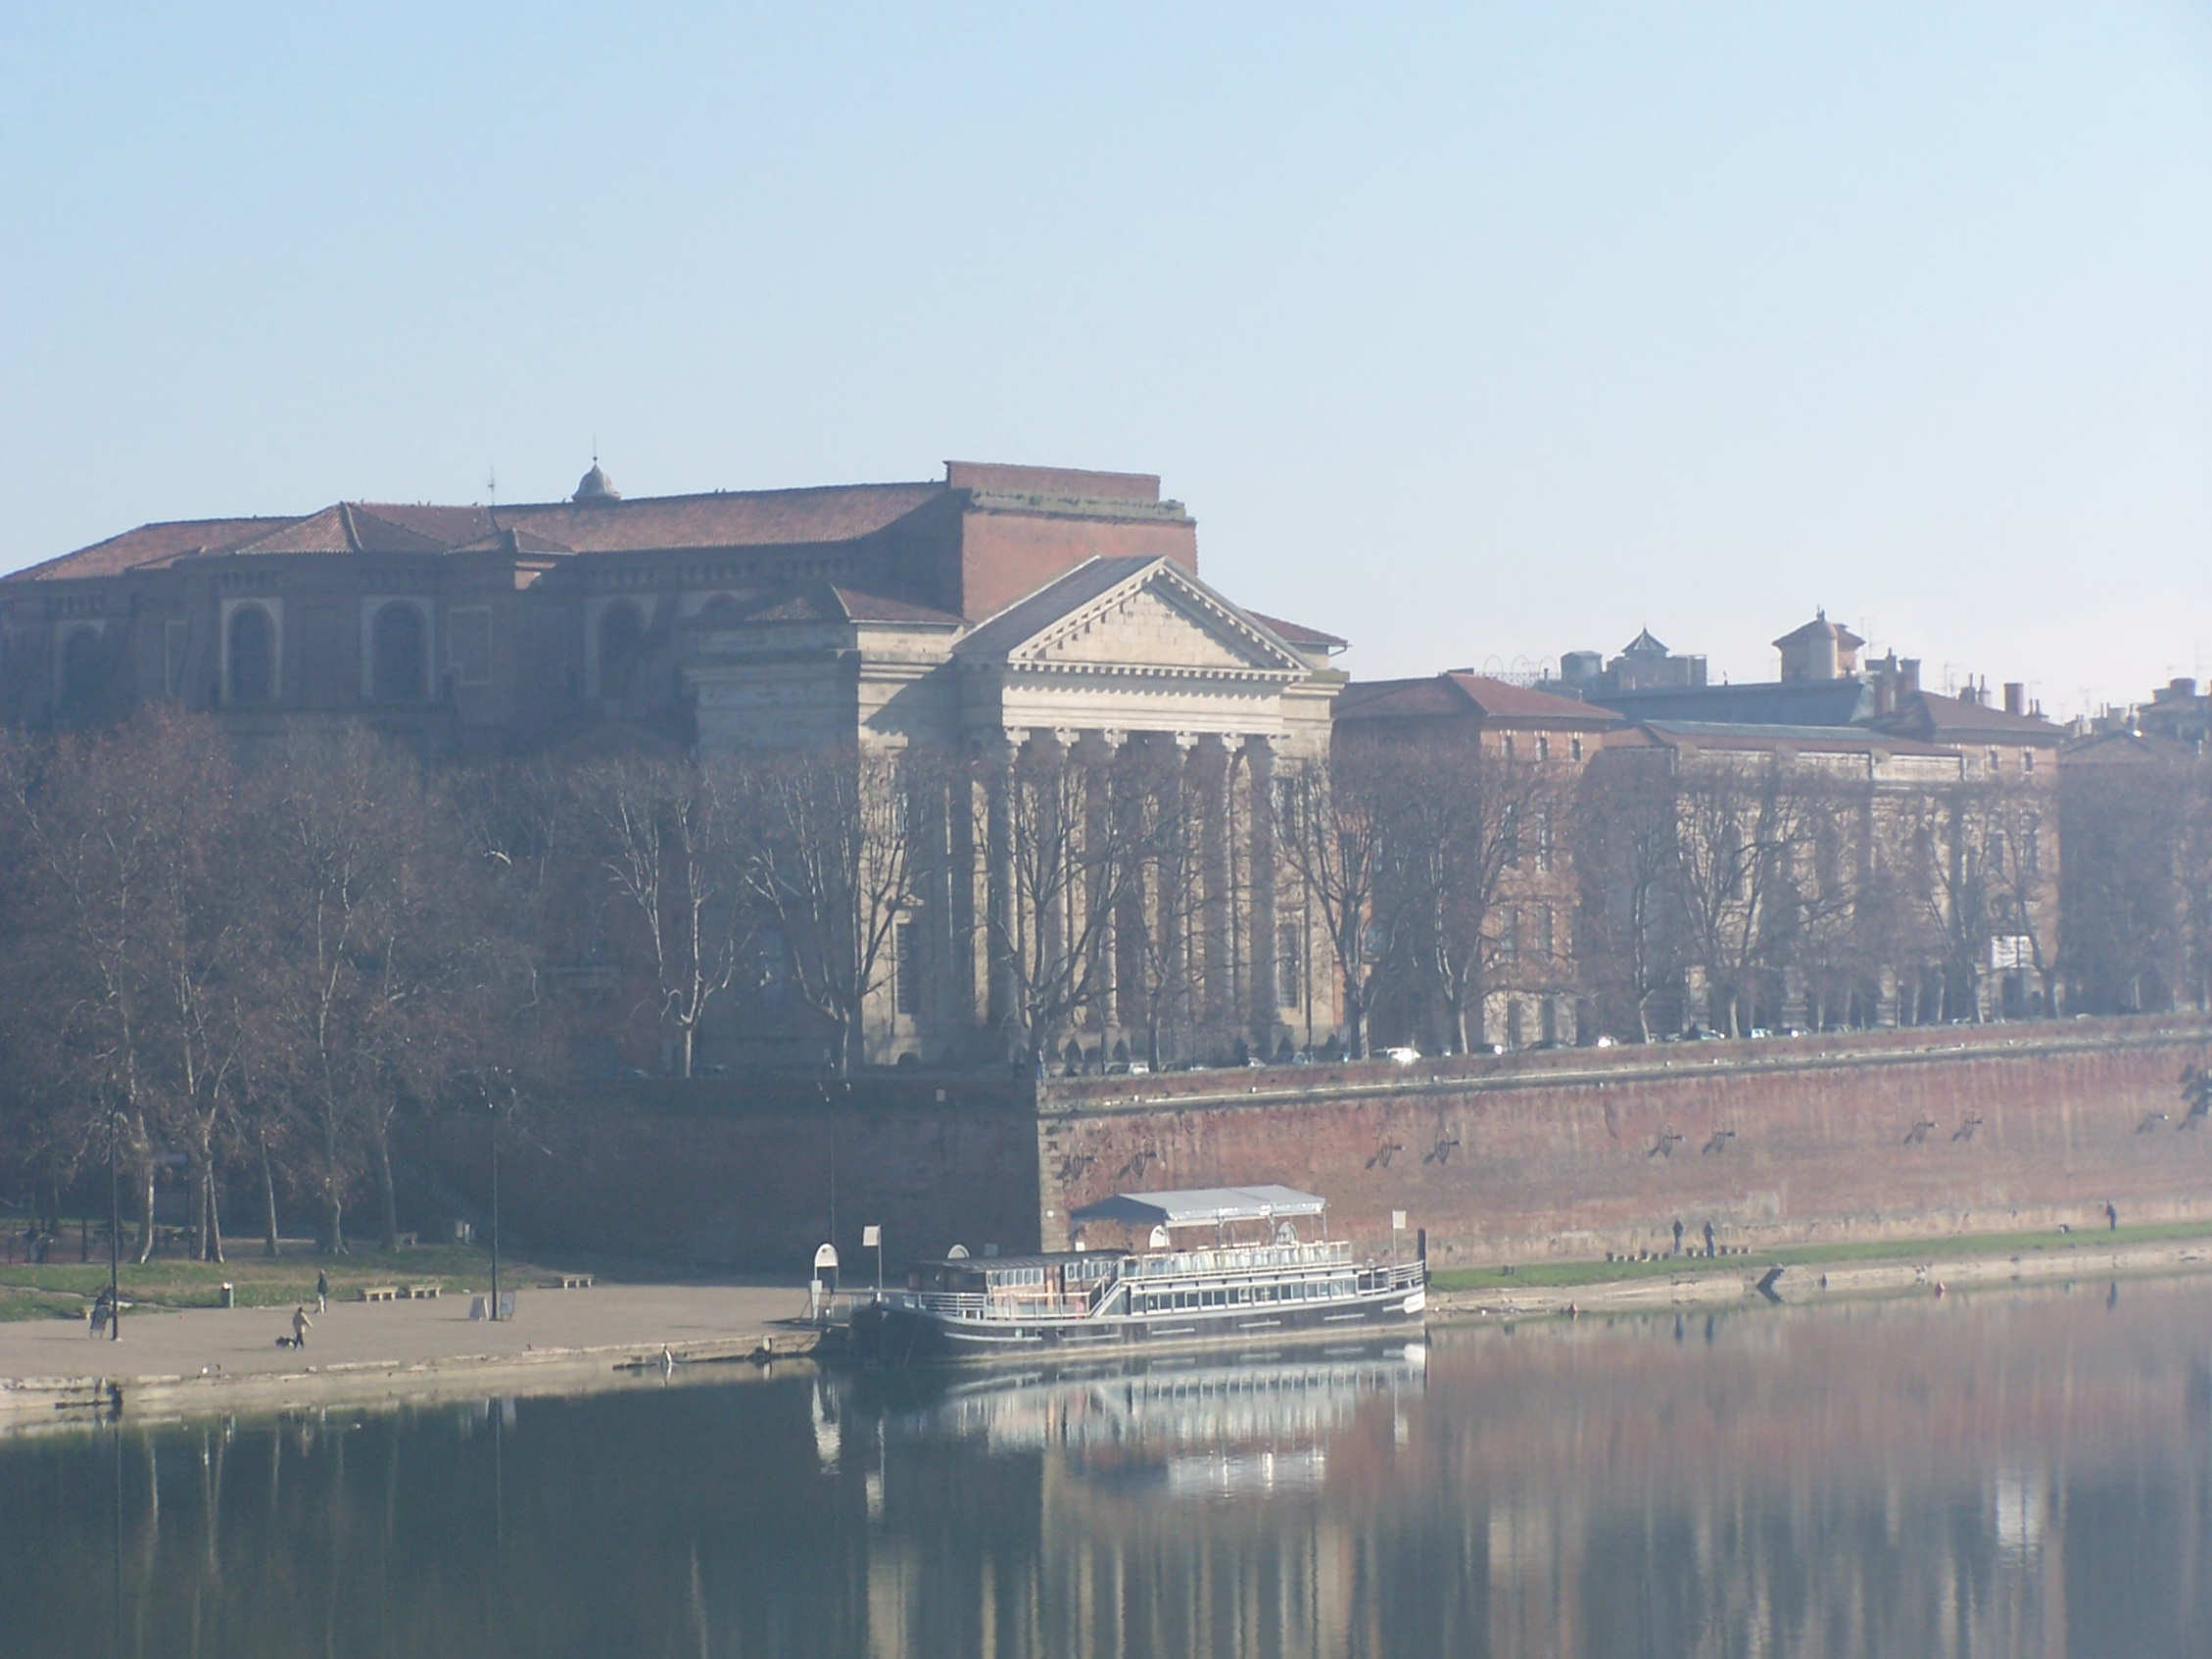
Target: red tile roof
x=1954 y=719
x=748 y=518
x=1297 y=633
x=1479 y=695
x=150 y=547
x=817 y=601
x=833 y=513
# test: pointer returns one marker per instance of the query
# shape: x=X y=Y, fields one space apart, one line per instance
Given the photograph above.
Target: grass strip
x=68 y=1287
x=1550 y=1274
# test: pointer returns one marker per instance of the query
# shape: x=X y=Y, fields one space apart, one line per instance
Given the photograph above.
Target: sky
x=1474 y=333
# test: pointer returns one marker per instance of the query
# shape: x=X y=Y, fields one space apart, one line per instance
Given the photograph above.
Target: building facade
x=1031 y=650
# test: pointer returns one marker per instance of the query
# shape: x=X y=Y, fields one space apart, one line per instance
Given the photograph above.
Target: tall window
x=622 y=640
x=1574 y=749
x=1547 y=935
x=175 y=637
x=398 y=655
x=468 y=645
x=84 y=672
x=252 y=655
x=906 y=969
x=1543 y=748
x=1543 y=838
x=1509 y=937
x=1289 y=964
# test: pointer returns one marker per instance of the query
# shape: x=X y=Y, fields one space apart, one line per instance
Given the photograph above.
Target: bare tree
x=1065 y=869
x=370 y=991
x=1338 y=840
x=1475 y=837
x=672 y=838
x=837 y=855
x=1624 y=860
x=114 y=822
x=1740 y=824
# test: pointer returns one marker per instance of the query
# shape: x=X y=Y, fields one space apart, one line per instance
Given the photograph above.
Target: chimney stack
x=2015 y=697
x=1908 y=675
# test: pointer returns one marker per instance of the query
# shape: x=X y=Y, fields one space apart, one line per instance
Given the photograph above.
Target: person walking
x=1677 y=1235
x=1708 y=1238
x=322 y=1292
x=2111 y=1217
x=300 y=1324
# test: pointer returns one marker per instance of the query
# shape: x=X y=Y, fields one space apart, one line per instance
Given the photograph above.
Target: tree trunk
x=387 y=1198
x=145 y=1194
x=215 y=1218
x=268 y=1198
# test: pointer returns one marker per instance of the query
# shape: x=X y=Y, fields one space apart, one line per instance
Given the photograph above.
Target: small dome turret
x=595 y=485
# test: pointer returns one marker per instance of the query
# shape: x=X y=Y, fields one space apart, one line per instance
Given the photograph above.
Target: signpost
x=1397 y=1226
x=872 y=1237
x=825 y=1260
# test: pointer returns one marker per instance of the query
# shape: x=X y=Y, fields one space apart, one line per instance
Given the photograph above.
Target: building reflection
x=2026 y=1474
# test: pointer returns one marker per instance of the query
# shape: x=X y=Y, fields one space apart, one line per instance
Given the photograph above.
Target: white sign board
x=872 y=1237
x=1397 y=1221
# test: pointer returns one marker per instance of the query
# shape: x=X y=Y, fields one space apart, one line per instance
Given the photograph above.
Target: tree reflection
x=2026 y=1474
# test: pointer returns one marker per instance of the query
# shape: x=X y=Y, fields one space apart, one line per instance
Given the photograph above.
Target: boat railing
x=1240 y=1258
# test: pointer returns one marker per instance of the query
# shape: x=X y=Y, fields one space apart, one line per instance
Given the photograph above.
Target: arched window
x=84 y=672
x=253 y=655
x=397 y=654
x=622 y=638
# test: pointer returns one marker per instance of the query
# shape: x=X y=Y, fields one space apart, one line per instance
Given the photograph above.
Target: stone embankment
x=1931 y=1272
x=219 y=1360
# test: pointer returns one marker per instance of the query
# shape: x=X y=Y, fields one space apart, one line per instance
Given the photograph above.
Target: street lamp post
x=115 y=1235
x=495 y=1212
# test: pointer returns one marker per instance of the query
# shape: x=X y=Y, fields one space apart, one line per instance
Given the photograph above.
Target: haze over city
x=1475 y=337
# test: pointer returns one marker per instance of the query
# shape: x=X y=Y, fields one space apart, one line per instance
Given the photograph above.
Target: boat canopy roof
x=1201 y=1206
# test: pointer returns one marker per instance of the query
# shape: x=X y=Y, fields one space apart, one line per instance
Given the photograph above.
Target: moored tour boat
x=1270 y=1285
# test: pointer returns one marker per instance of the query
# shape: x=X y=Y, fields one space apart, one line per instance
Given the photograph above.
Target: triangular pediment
x=1152 y=615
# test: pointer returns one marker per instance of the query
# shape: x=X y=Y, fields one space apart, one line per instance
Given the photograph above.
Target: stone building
x=1500 y=769
x=1045 y=630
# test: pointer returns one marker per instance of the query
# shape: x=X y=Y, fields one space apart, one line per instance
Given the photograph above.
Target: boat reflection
x=1213 y=1426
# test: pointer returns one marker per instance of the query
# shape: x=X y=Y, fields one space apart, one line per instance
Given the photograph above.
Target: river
x=2009 y=1473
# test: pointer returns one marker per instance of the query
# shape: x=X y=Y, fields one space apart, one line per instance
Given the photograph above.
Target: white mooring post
x=872 y=1237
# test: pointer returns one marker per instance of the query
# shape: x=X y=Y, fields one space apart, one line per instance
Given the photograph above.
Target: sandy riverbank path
x=242 y=1341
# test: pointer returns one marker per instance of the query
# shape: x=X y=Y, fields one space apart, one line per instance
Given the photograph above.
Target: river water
x=2009 y=1473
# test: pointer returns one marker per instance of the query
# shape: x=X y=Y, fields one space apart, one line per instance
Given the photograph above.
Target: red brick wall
x=1005 y=556
x=1505 y=1160
x=1079 y=482
x=1500 y=1160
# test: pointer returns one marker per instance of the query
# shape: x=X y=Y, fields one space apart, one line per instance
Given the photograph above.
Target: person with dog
x=300 y=1324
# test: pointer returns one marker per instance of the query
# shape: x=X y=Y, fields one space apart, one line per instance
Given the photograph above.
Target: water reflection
x=2027 y=1474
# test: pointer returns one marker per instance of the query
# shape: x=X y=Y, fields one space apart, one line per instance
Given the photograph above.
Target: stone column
x=1052 y=864
x=996 y=766
x=1264 y=1014
x=967 y=992
x=1178 y=790
x=1101 y=752
x=1209 y=762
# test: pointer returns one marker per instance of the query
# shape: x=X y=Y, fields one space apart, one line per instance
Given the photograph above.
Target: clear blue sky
x=1474 y=333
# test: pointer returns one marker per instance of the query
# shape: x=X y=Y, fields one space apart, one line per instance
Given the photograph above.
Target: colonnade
x=1106 y=884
